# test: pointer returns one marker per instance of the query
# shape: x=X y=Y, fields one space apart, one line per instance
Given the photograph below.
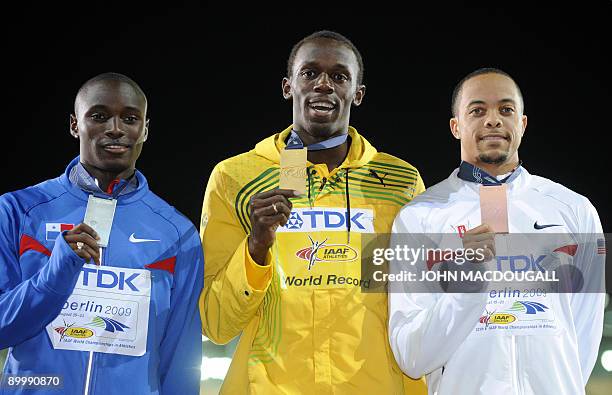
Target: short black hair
x=110 y=76
x=332 y=36
x=481 y=71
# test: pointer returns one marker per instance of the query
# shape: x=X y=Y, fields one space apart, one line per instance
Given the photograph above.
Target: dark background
x=213 y=76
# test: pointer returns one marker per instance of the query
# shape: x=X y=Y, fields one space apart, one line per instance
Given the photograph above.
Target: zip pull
x=323 y=181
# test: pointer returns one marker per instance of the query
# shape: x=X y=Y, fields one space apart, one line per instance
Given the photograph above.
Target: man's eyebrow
x=98 y=107
x=507 y=100
x=316 y=64
x=134 y=109
x=476 y=102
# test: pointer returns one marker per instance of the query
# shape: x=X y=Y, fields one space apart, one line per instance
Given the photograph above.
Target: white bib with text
x=107 y=312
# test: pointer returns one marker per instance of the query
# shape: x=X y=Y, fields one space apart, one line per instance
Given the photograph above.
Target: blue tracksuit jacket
x=38 y=271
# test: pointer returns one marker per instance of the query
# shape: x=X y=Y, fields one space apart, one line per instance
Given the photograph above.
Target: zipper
x=515 y=380
x=519 y=382
x=88 y=373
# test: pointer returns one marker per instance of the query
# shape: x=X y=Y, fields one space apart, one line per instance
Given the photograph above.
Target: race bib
x=107 y=312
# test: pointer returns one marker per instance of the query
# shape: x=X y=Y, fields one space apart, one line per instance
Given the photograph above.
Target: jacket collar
x=75 y=189
x=360 y=151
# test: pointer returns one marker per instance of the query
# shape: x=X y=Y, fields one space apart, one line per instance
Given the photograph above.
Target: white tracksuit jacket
x=447 y=337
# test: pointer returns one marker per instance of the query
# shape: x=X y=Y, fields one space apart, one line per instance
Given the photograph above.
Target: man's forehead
x=326 y=51
x=489 y=88
x=110 y=93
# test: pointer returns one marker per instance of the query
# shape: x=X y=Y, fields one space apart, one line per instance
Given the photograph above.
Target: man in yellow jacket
x=283 y=270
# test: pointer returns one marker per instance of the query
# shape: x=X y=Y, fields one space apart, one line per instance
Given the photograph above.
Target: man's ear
x=524 y=122
x=286 y=86
x=359 y=94
x=74 y=129
x=146 y=131
x=454 y=127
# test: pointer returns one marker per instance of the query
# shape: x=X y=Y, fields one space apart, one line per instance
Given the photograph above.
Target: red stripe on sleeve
x=568 y=249
x=166 y=264
x=28 y=243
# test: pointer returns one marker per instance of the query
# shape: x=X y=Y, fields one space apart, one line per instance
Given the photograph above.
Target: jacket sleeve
x=425 y=328
x=26 y=307
x=181 y=348
x=234 y=286
x=587 y=305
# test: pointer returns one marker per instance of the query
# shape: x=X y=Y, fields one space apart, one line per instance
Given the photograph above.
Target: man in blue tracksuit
x=117 y=319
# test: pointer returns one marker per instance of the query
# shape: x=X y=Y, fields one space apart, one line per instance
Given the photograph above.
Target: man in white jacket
x=497 y=340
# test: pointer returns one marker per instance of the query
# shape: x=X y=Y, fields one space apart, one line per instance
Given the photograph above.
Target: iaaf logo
x=505 y=318
x=109 y=325
x=321 y=252
x=71 y=331
x=496 y=318
x=329 y=219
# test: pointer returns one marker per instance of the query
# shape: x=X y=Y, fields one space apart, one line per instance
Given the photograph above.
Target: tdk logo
x=329 y=219
x=109 y=279
x=295 y=221
x=520 y=263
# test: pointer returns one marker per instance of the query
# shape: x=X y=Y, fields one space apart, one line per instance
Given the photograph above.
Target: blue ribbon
x=295 y=142
x=471 y=173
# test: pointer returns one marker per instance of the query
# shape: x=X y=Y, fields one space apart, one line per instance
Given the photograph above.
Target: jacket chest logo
x=328 y=219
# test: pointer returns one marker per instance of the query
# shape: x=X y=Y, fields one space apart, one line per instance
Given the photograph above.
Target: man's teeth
x=322 y=105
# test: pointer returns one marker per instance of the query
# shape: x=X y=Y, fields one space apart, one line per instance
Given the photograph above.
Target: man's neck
x=104 y=177
x=332 y=157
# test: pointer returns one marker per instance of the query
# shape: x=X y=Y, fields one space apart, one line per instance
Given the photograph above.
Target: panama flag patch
x=54 y=229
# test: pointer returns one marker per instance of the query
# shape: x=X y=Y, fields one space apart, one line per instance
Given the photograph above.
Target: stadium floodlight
x=216 y=368
x=606 y=360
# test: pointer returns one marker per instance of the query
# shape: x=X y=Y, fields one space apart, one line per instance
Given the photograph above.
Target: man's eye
x=477 y=111
x=340 y=77
x=308 y=74
x=507 y=110
x=130 y=119
x=98 y=117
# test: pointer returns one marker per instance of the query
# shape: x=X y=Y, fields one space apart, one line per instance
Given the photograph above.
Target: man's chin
x=321 y=129
x=493 y=158
x=114 y=164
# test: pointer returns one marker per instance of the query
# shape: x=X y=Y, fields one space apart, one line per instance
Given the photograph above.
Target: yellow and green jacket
x=306 y=326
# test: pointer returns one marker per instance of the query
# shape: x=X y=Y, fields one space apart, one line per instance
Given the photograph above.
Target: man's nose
x=114 y=130
x=323 y=84
x=493 y=120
